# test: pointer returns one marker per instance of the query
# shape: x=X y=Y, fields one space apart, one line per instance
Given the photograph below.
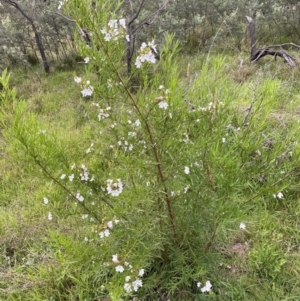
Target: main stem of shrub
x=160 y=174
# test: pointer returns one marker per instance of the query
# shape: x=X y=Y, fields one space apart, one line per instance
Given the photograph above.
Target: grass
x=42 y=260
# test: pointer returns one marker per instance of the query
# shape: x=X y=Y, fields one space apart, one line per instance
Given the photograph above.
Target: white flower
x=84 y=216
x=50 y=216
x=86 y=60
x=107 y=36
x=113 y=23
x=127 y=37
x=87 y=91
x=122 y=22
x=114 y=188
x=186 y=189
x=86 y=239
x=138 y=62
x=60 y=4
x=116 y=221
x=128 y=287
x=132 y=134
x=46 y=201
x=115 y=258
x=127 y=278
x=104 y=233
x=71 y=177
x=79 y=197
x=242 y=226
x=207 y=287
x=77 y=79
x=280 y=195
x=152 y=46
x=62 y=176
x=163 y=105
x=136 y=284
x=119 y=268
x=223 y=140
x=137 y=123
x=110 y=225
x=141 y=272
x=198 y=284
x=161 y=87
x=186 y=170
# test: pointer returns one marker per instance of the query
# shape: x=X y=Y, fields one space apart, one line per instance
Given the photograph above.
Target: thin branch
x=284 y=44
x=82 y=204
x=137 y=13
x=154 y=16
x=65 y=17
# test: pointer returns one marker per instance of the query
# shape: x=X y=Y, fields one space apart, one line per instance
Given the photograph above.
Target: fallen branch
x=256 y=54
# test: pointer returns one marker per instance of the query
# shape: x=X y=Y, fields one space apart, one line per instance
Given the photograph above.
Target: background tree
x=43 y=36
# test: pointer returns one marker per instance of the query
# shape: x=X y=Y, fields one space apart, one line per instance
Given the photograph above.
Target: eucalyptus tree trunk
x=37 y=35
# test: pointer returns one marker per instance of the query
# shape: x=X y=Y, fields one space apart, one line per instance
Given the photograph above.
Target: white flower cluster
x=114 y=188
x=127 y=146
x=129 y=286
x=108 y=227
x=206 y=288
x=186 y=170
x=146 y=54
x=211 y=107
x=115 y=30
x=79 y=197
x=137 y=123
x=132 y=286
x=85 y=175
x=127 y=143
x=103 y=113
x=162 y=99
x=279 y=195
x=87 y=90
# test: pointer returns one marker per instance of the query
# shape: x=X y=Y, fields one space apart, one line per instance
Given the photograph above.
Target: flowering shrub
x=158 y=173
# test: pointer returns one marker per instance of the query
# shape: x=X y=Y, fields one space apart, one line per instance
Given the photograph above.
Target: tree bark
x=37 y=36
